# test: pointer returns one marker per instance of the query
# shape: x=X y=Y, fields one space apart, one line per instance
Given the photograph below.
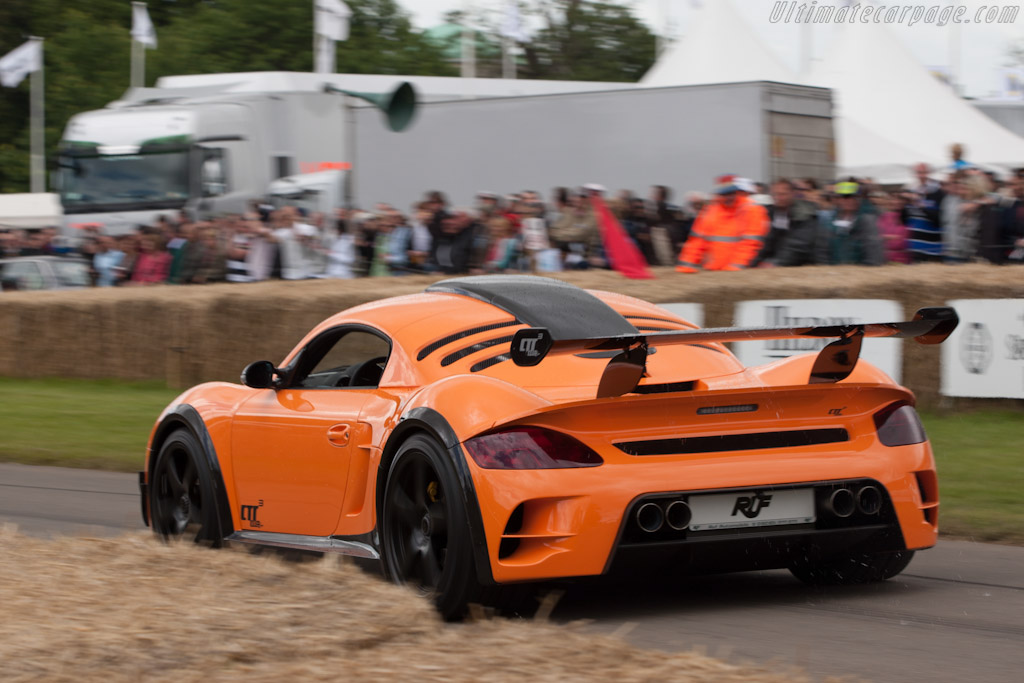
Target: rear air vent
x=462 y=353
x=444 y=341
x=725 y=410
x=734 y=442
x=488 y=362
x=666 y=388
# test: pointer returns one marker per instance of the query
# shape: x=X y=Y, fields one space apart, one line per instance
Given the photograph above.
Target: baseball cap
x=725 y=184
x=846 y=189
x=745 y=185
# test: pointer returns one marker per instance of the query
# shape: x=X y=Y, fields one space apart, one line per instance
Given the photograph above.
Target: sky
x=982 y=48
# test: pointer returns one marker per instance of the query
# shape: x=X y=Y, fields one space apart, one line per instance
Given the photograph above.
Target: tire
x=425 y=531
x=182 y=500
x=855 y=568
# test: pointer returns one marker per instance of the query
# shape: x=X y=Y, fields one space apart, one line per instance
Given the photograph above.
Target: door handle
x=338 y=434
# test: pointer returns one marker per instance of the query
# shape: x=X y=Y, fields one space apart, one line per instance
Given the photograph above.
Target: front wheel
x=426 y=539
x=182 y=503
x=852 y=569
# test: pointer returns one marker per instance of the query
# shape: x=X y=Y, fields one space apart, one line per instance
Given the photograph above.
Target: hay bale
x=131 y=608
x=186 y=335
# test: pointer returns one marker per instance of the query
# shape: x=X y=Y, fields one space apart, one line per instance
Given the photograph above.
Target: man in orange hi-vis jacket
x=728 y=233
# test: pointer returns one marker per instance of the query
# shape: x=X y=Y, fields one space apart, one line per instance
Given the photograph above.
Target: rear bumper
x=770 y=547
x=765 y=549
x=547 y=524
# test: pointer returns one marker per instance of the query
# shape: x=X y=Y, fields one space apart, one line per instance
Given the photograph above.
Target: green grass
x=105 y=424
x=980 y=461
x=79 y=423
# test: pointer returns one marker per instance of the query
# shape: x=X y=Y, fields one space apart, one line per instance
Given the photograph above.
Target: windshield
x=71 y=273
x=148 y=179
x=309 y=200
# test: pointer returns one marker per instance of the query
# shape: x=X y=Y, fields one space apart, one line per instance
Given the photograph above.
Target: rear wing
x=835 y=362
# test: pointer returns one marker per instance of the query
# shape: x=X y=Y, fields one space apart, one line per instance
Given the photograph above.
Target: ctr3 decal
x=250 y=513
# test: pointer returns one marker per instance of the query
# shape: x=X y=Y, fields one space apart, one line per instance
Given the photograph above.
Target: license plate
x=746 y=509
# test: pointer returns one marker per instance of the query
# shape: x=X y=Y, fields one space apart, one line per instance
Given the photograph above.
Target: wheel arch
x=428 y=421
x=184 y=416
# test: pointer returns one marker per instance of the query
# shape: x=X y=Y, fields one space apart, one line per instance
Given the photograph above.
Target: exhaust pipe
x=869 y=500
x=841 y=503
x=678 y=515
x=649 y=517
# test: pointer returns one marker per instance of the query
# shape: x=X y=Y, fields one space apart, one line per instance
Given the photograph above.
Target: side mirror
x=259 y=375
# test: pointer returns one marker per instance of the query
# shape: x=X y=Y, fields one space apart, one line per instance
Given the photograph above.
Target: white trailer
x=210 y=144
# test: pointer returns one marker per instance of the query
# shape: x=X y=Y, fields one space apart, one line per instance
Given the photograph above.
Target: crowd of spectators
x=963 y=215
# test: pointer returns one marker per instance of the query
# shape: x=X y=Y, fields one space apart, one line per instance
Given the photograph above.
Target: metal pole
x=508 y=60
x=37 y=119
x=138 y=55
x=350 y=152
x=135 y=80
x=468 y=61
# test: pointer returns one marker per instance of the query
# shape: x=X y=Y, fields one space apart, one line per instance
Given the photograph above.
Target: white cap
x=745 y=185
x=595 y=187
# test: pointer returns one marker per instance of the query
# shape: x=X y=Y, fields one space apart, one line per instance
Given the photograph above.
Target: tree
x=243 y=35
x=588 y=41
x=87 y=53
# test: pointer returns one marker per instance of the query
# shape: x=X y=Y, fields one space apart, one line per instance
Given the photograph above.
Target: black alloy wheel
x=182 y=499
x=425 y=535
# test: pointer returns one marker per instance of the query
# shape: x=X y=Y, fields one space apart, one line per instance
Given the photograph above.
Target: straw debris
x=132 y=608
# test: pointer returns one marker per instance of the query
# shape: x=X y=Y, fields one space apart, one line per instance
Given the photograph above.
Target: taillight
x=530 y=448
x=899 y=425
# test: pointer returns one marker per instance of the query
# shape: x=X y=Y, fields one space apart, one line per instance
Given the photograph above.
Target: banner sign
x=984 y=357
x=693 y=313
x=885 y=354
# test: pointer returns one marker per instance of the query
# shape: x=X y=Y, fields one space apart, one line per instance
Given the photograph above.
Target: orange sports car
x=497 y=430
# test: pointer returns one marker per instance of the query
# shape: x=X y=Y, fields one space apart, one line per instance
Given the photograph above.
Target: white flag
x=20 y=62
x=142 y=28
x=323 y=56
x=512 y=28
x=330 y=19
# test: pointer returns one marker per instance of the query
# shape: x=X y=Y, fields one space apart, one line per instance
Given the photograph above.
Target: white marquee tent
x=890 y=109
x=890 y=112
x=719 y=48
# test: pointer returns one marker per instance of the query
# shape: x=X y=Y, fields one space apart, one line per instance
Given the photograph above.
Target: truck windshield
x=154 y=179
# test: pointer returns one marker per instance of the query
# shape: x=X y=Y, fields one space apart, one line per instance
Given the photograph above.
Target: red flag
x=623 y=254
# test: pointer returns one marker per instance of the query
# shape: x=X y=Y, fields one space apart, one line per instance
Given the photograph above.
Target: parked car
x=43 y=272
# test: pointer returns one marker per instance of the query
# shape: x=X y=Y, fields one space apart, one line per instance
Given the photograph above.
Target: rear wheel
x=182 y=495
x=852 y=569
x=426 y=540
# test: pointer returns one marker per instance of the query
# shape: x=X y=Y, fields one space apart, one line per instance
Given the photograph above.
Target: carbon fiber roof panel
x=568 y=312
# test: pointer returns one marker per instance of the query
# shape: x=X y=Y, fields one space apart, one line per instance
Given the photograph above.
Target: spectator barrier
x=183 y=335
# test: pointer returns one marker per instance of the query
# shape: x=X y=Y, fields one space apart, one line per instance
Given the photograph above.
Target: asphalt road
x=956 y=614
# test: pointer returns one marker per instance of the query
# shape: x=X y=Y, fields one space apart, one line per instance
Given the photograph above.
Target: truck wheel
x=182 y=502
x=852 y=569
x=424 y=527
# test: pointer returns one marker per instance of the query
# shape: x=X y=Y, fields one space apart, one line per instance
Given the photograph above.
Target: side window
x=353 y=358
x=23 y=275
x=213 y=172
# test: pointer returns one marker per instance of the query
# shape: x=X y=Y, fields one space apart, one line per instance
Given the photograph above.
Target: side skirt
x=319 y=544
